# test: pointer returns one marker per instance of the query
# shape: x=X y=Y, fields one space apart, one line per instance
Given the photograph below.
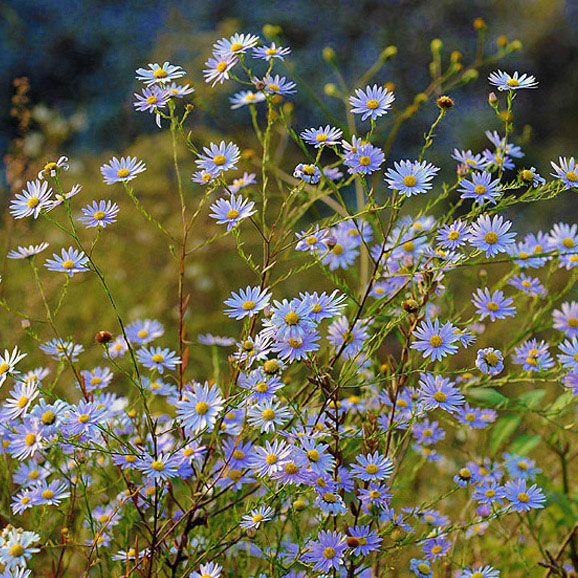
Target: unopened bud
x=330 y=89
x=103 y=337
x=299 y=504
x=515 y=46
x=455 y=56
x=329 y=54
x=502 y=41
x=492 y=99
x=470 y=75
x=189 y=107
x=410 y=305
x=25 y=324
x=436 y=45
x=271 y=31
x=420 y=98
x=388 y=53
x=445 y=102
x=390 y=86
x=479 y=24
x=483 y=273
x=259 y=85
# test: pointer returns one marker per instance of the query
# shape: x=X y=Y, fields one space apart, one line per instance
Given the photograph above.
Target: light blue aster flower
x=505 y=81
x=411 y=178
x=372 y=102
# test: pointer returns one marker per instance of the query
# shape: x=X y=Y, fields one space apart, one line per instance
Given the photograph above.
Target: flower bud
x=492 y=99
x=25 y=324
x=328 y=54
x=420 y=98
x=410 y=305
x=330 y=89
x=388 y=53
x=270 y=30
x=259 y=85
x=515 y=46
x=103 y=337
x=470 y=75
x=390 y=86
x=445 y=102
x=299 y=504
x=502 y=41
x=455 y=56
x=189 y=107
x=436 y=45
x=479 y=24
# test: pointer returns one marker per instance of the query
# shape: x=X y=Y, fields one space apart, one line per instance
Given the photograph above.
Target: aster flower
x=270 y=458
x=323 y=306
x=342 y=251
x=51 y=169
x=217 y=69
x=269 y=52
x=49 y=493
x=122 y=171
x=291 y=320
x=27 y=439
x=435 y=340
x=17 y=547
x=481 y=188
x=237 y=44
x=159 y=74
x=530 y=285
x=489 y=492
x=564 y=238
x=452 y=236
x=295 y=349
x=256 y=517
x=70 y=261
x=85 y=418
x=491 y=235
x=490 y=361
x=27 y=252
x=523 y=498
x=437 y=391
x=308 y=173
x=62 y=349
x=421 y=568
x=157 y=358
x=209 y=570
x=232 y=211
x=372 y=102
x=219 y=158
x=98 y=378
x=246 y=97
x=314 y=240
x=569 y=356
x=470 y=160
x=331 y=503
x=59 y=198
x=411 y=178
x=435 y=548
x=365 y=160
x=505 y=81
x=159 y=468
x=567 y=171
x=520 y=467
x=326 y=553
x=144 y=331
x=268 y=416
x=349 y=340
x=566 y=318
x=152 y=100
x=372 y=467
x=362 y=540
x=277 y=85
x=19 y=400
x=247 y=302
x=533 y=356
x=203 y=177
x=117 y=347
x=530 y=249
x=178 y=90
x=99 y=214
x=531 y=177
x=200 y=408
x=480 y=572
x=493 y=305
x=322 y=136
x=31 y=201
x=8 y=363
x=242 y=182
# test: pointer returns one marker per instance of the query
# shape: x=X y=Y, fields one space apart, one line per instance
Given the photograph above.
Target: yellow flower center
x=68 y=264
x=436 y=549
x=321 y=137
x=95 y=381
x=4 y=368
x=48 y=167
x=48 y=494
x=152 y=100
x=491 y=238
x=309 y=170
x=17 y=551
x=480 y=189
x=268 y=414
x=257 y=518
x=573 y=322
x=491 y=358
x=158 y=358
x=122 y=173
x=572 y=176
x=526 y=284
x=219 y=160
x=83 y=418
x=311 y=240
x=291 y=468
x=33 y=475
x=512 y=82
x=453 y=235
x=158 y=466
x=232 y=214
x=338 y=250
x=262 y=387
x=295 y=343
x=424 y=568
x=292 y=318
x=408 y=246
x=329 y=498
x=372 y=104
x=23 y=401
x=202 y=408
x=130 y=459
x=436 y=341
x=48 y=418
x=371 y=469
x=103 y=518
x=160 y=73
x=247 y=306
x=33 y=202
x=99 y=215
x=465 y=474
x=273 y=87
x=523 y=497
x=492 y=306
x=30 y=439
x=568 y=243
x=409 y=181
x=490 y=493
x=440 y=396
x=313 y=456
x=329 y=553
x=238 y=454
x=271 y=459
x=364 y=161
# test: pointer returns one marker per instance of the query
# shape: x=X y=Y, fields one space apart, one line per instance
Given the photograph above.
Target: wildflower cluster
x=305 y=451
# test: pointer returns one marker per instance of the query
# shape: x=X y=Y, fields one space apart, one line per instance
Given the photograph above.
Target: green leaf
x=532 y=398
x=564 y=505
x=524 y=444
x=489 y=397
x=503 y=429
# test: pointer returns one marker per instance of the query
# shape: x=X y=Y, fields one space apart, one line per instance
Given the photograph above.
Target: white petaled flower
x=8 y=363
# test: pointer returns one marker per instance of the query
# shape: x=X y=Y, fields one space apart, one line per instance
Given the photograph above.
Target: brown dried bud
x=259 y=85
x=410 y=305
x=445 y=102
x=103 y=337
x=352 y=541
